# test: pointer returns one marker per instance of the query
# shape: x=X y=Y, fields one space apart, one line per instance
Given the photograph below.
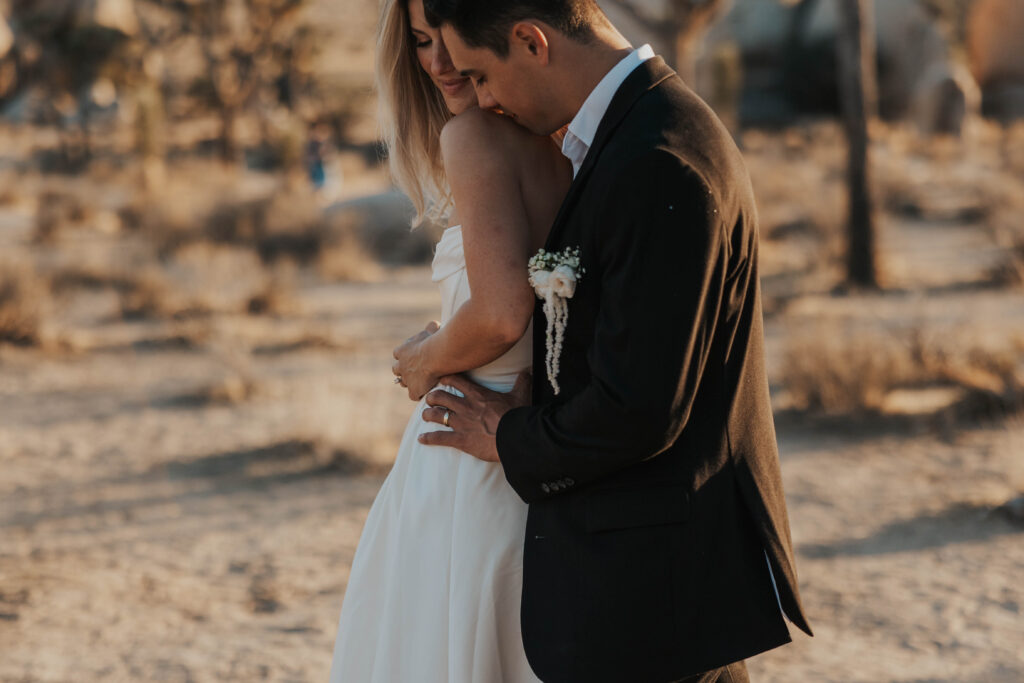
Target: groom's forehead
x=465 y=58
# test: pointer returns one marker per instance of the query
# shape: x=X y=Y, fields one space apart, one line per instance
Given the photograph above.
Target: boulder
x=789 y=63
x=381 y=223
x=995 y=49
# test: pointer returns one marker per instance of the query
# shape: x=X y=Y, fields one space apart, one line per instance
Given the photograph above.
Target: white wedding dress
x=435 y=586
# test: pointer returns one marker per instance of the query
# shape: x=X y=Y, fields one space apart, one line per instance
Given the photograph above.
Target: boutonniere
x=554 y=277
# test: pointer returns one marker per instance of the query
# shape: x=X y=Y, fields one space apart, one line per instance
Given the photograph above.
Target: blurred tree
x=64 y=47
x=858 y=98
x=684 y=27
x=255 y=53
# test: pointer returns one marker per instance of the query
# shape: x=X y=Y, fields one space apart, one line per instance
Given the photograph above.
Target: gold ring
x=447 y=414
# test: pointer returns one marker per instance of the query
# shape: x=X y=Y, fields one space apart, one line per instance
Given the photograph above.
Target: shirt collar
x=583 y=127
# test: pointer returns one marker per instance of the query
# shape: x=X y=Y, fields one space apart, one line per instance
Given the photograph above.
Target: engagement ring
x=447 y=414
x=398 y=380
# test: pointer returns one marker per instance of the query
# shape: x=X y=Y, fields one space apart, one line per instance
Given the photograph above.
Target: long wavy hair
x=412 y=114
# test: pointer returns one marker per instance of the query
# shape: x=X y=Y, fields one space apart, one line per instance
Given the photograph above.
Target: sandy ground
x=182 y=503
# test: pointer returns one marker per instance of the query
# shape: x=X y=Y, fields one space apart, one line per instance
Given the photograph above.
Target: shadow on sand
x=962 y=523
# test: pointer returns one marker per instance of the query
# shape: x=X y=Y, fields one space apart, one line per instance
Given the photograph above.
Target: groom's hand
x=473 y=417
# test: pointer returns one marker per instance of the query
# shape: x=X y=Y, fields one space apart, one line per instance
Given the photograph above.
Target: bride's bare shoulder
x=477 y=132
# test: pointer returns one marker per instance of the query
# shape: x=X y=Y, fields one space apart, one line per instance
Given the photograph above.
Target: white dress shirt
x=583 y=127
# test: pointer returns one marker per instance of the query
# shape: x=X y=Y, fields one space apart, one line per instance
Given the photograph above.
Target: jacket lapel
x=645 y=77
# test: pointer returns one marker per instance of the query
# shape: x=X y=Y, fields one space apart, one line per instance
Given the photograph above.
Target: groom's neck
x=584 y=65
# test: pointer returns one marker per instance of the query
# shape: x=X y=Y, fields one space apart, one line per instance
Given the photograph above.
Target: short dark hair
x=486 y=23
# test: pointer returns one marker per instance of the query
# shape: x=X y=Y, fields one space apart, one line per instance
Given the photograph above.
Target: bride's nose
x=440 y=62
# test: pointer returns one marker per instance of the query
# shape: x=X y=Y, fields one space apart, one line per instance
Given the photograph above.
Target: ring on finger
x=447 y=414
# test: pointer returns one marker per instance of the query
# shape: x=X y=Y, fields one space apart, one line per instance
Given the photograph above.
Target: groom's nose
x=484 y=98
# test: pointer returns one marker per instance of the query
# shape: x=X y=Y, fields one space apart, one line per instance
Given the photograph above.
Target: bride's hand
x=408 y=365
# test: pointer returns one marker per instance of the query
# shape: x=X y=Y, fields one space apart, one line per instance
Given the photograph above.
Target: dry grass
x=276 y=297
x=23 y=298
x=1007 y=230
x=853 y=373
x=9 y=193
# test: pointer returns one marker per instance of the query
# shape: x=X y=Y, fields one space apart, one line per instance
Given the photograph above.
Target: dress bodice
x=449 y=271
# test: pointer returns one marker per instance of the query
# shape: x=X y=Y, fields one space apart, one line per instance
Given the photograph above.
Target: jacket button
x=545 y=488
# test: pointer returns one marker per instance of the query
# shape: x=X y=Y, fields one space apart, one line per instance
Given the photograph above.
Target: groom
x=657 y=545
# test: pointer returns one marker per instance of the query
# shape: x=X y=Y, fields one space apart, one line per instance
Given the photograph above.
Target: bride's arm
x=482 y=171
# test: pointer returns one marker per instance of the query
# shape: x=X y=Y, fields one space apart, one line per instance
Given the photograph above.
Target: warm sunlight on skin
x=430 y=50
x=509 y=84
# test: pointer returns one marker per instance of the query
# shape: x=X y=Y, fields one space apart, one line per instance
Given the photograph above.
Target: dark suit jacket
x=653 y=477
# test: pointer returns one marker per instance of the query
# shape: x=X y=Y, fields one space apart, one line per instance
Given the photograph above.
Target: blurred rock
x=789 y=63
x=995 y=48
x=382 y=224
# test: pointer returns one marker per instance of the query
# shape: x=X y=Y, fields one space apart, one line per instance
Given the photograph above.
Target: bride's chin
x=459 y=106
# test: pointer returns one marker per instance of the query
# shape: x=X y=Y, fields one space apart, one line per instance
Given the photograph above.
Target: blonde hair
x=412 y=114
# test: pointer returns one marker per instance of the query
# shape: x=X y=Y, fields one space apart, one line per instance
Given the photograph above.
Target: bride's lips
x=454 y=86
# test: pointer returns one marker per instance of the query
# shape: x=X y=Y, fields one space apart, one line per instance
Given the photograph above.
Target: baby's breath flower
x=554 y=276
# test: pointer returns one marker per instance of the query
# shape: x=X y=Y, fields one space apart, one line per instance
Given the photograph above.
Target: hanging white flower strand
x=554 y=277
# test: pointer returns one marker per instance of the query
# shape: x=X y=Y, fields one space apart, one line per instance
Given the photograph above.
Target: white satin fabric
x=435 y=587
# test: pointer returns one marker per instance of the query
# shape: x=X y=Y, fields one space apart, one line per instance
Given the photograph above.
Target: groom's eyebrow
x=468 y=72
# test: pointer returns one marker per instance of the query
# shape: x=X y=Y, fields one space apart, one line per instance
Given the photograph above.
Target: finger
x=459 y=382
x=439 y=438
x=436 y=415
x=433 y=326
x=396 y=368
x=445 y=399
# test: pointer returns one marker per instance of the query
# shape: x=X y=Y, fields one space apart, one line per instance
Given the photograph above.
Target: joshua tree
x=858 y=99
x=250 y=48
x=65 y=47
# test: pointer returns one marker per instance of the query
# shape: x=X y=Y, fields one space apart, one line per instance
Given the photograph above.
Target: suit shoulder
x=656 y=169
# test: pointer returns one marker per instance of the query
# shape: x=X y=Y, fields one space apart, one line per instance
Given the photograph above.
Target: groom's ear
x=531 y=39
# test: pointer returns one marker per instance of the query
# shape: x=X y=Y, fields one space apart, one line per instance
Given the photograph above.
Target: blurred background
x=204 y=268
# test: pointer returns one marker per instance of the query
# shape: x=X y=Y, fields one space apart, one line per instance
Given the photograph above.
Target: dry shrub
x=149 y=295
x=232 y=390
x=277 y=297
x=293 y=228
x=23 y=296
x=834 y=373
x=8 y=189
x=344 y=258
x=71 y=278
x=57 y=209
x=851 y=373
x=381 y=224
x=1007 y=229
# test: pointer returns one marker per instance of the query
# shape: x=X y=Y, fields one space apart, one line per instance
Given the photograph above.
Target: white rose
x=563 y=281
x=541 y=281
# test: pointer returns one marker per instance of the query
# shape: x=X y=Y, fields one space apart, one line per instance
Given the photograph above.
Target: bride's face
x=457 y=90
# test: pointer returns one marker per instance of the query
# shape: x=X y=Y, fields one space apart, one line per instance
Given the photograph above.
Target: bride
x=434 y=591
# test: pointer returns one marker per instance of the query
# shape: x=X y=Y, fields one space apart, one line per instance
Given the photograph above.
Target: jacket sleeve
x=663 y=254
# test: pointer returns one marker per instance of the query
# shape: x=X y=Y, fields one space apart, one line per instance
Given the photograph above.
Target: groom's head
x=515 y=51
